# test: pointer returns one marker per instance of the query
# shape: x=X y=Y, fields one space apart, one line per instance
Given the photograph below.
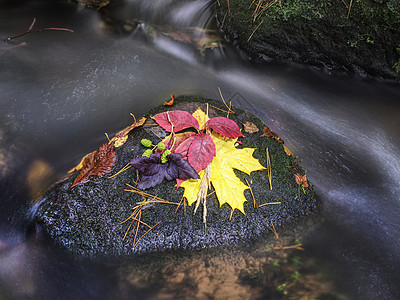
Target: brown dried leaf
x=97 y=164
x=80 y=165
x=120 y=138
x=301 y=180
x=269 y=133
x=250 y=127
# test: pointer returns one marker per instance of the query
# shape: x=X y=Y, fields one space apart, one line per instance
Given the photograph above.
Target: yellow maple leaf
x=228 y=187
x=201 y=117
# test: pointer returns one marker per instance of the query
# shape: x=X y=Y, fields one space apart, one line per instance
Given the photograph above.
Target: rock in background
x=356 y=36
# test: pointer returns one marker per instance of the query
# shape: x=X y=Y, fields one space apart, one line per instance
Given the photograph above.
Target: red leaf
x=178 y=139
x=180 y=120
x=224 y=126
x=201 y=151
x=179 y=182
x=183 y=148
x=97 y=164
x=198 y=150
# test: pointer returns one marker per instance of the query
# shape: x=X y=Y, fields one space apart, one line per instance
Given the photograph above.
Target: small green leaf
x=147 y=143
x=147 y=153
x=161 y=146
x=276 y=264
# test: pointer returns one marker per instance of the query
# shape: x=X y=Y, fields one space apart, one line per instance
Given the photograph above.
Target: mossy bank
x=357 y=36
x=87 y=218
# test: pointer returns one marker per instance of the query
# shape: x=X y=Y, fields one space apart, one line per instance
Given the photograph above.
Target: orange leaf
x=301 y=180
x=269 y=133
x=250 y=127
x=120 y=138
x=97 y=164
x=170 y=102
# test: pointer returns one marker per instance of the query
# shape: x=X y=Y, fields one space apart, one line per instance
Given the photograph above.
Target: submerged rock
x=361 y=37
x=87 y=218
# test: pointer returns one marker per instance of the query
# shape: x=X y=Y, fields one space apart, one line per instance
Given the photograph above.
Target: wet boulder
x=361 y=38
x=100 y=216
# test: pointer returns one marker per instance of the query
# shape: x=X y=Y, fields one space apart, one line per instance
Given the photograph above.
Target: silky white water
x=62 y=91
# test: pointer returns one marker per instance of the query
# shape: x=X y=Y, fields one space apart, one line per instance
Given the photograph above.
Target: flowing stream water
x=61 y=91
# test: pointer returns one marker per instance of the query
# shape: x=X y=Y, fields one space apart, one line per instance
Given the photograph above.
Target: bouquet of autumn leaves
x=199 y=151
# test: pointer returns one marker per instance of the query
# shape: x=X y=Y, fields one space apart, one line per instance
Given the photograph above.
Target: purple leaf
x=150 y=181
x=147 y=166
x=179 y=168
x=154 y=172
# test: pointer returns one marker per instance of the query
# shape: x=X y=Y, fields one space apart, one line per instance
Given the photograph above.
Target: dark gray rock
x=86 y=219
x=324 y=34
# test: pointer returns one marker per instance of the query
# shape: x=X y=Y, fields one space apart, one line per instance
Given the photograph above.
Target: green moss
x=297 y=8
x=318 y=32
x=87 y=219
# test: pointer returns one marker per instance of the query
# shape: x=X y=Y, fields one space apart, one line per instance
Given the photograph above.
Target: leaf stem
x=252 y=195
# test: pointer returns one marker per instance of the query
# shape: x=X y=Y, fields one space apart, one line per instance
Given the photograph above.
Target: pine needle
x=156 y=134
x=270 y=203
x=297 y=247
x=136 y=231
x=223 y=20
x=134 y=246
x=137 y=177
x=220 y=109
x=141 y=222
x=142 y=193
x=252 y=195
x=126 y=232
x=254 y=31
x=223 y=100
x=210 y=193
x=126 y=167
x=255 y=12
x=269 y=170
x=348 y=14
x=273 y=230
x=179 y=204
x=251 y=4
x=230 y=105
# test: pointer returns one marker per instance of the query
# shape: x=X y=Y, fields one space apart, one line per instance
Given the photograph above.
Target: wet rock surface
x=330 y=35
x=87 y=218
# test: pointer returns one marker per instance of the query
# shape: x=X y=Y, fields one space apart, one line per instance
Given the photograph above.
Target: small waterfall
x=184 y=28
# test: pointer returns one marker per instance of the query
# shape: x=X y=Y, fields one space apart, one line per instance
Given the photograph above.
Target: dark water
x=61 y=91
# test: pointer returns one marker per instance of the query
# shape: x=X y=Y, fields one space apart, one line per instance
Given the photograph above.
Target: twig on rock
x=37 y=30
